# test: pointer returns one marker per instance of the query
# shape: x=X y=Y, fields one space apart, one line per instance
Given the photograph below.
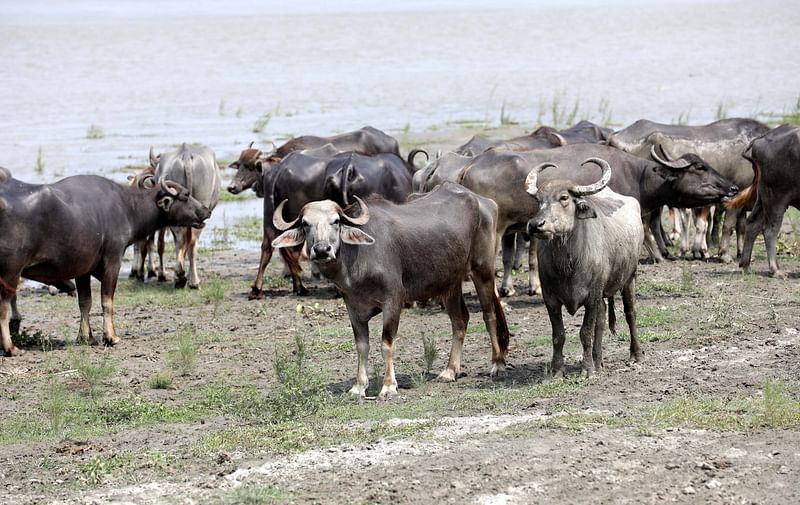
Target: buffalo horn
x=277 y=218
x=251 y=144
x=597 y=186
x=666 y=161
x=530 y=181
x=560 y=139
x=169 y=186
x=153 y=157
x=362 y=218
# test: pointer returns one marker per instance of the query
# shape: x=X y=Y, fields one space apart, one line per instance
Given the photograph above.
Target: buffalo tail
x=6 y=289
x=747 y=197
x=503 y=335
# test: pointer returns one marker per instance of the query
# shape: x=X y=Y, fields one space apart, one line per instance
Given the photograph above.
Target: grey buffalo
x=78 y=228
x=775 y=158
x=500 y=175
x=588 y=251
x=719 y=144
x=194 y=168
x=389 y=254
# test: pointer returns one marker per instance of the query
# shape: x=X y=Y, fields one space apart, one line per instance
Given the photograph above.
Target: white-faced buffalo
x=301 y=178
x=77 y=228
x=194 y=168
x=500 y=175
x=390 y=254
x=252 y=162
x=776 y=162
x=719 y=145
x=589 y=250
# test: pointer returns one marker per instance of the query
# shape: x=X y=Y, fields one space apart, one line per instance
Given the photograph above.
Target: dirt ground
x=710 y=416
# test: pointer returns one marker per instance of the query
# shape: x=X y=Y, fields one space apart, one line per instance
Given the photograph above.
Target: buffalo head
x=177 y=206
x=249 y=168
x=695 y=181
x=562 y=202
x=322 y=226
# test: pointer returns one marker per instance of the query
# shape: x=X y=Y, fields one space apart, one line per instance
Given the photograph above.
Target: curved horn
x=666 y=161
x=346 y=179
x=277 y=218
x=597 y=186
x=251 y=144
x=169 y=186
x=153 y=158
x=414 y=153
x=530 y=181
x=561 y=140
x=361 y=218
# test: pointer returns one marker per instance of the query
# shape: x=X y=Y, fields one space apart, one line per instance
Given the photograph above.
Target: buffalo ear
x=583 y=210
x=354 y=236
x=165 y=203
x=290 y=238
x=259 y=167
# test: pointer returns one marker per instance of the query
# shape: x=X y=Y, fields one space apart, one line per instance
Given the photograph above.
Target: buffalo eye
x=335 y=221
x=564 y=199
x=304 y=223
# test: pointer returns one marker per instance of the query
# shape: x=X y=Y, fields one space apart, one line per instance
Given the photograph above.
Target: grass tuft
x=160 y=380
x=93 y=374
x=184 y=357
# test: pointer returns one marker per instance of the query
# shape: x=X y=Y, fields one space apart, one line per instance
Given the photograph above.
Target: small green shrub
x=301 y=390
x=54 y=406
x=429 y=352
x=92 y=374
x=184 y=357
x=160 y=380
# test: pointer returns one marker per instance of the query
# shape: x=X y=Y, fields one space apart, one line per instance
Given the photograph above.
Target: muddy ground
x=189 y=408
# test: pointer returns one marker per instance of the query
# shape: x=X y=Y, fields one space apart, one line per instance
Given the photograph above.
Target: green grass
x=160 y=380
x=184 y=357
x=226 y=196
x=658 y=288
x=654 y=316
x=93 y=372
x=39 y=167
x=253 y=495
x=261 y=123
x=793 y=115
x=775 y=409
x=249 y=228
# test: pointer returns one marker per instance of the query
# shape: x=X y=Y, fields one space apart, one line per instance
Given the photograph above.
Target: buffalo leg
x=754 y=226
x=629 y=306
x=657 y=232
x=700 y=247
x=741 y=223
x=459 y=318
x=507 y=285
x=599 y=329
x=108 y=284
x=557 y=324
x=731 y=217
x=148 y=252
x=292 y=258
x=773 y=218
x=257 y=291
x=649 y=240
x=591 y=311
x=495 y=320
x=138 y=262
x=612 y=317
x=534 y=284
x=193 y=238
x=8 y=304
x=84 y=288
x=521 y=246
x=391 y=321
x=16 y=318
x=361 y=333
x=162 y=276
x=181 y=246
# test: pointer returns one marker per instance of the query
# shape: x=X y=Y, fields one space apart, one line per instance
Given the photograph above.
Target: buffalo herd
x=386 y=233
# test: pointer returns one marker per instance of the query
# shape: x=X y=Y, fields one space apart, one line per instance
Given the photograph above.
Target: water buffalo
x=719 y=144
x=301 y=178
x=252 y=162
x=392 y=254
x=542 y=138
x=775 y=157
x=77 y=228
x=588 y=251
x=194 y=168
x=500 y=175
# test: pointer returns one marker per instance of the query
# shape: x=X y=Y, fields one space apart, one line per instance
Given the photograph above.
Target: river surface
x=88 y=86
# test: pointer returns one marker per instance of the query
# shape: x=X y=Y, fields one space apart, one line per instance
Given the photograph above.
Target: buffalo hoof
x=152 y=274
x=302 y=291
x=507 y=292
x=255 y=294
x=388 y=391
x=180 y=282
x=196 y=286
x=558 y=373
x=111 y=341
x=134 y=275
x=358 y=390
x=162 y=278
x=534 y=291
x=778 y=274
x=447 y=375
x=13 y=325
x=637 y=356
x=14 y=351
x=726 y=258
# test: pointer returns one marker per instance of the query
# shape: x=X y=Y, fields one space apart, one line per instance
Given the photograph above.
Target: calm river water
x=136 y=73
